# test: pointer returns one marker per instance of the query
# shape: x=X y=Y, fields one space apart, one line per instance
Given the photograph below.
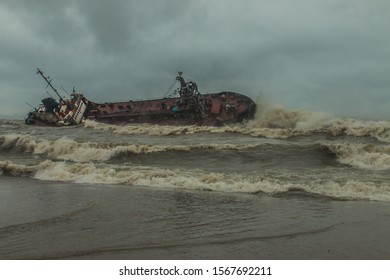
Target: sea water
x=287 y=185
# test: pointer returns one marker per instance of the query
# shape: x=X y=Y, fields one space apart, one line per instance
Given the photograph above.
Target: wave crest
x=90 y=173
x=270 y=122
x=364 y=156
x=71 y=150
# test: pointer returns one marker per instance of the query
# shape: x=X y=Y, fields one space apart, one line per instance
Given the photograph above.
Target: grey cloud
x=319 y=55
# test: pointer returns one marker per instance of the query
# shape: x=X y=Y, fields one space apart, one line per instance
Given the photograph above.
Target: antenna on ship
x=49 y=83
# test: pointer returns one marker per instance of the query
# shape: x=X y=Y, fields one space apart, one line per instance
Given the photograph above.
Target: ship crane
x=190 y=98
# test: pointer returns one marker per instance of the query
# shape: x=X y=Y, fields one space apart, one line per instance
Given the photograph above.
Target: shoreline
x=57 y=220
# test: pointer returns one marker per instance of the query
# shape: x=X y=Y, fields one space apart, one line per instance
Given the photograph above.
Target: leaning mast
x=49 y=83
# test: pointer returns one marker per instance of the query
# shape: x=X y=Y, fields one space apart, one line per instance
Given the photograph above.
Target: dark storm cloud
x=318 y=55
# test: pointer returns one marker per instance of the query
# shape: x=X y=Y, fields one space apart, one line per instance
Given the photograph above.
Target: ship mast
x=49 y=83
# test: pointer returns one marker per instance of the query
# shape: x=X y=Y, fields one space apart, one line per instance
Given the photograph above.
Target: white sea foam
x=194 y=179
x=270 y=122
x=364 y=156
x=71 y=150
x=201 y=180
x=376 y=129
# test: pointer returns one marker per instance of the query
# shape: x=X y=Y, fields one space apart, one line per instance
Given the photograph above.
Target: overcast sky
x=320 y=55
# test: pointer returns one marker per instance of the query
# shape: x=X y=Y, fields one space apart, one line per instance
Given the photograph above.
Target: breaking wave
x=272 y=122
x=318 y=165
x=195 y=180
x=71 y=150
x=363 y=156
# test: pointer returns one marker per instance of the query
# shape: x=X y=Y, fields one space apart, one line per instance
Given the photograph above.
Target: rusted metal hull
x=219 y=108
x=189 y=107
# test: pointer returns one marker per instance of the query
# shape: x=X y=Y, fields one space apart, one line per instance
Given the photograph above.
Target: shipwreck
x=184 y=106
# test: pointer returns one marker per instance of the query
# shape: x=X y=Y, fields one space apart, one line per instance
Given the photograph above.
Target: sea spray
x=273 y=122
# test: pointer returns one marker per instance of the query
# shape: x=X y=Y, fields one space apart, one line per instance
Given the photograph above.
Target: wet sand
x=56 y=220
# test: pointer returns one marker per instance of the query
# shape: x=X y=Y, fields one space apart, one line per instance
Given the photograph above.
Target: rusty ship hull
x=185 y=106
x=219 y=108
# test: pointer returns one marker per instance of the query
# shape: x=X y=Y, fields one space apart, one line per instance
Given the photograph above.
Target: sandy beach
x=56 y=220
